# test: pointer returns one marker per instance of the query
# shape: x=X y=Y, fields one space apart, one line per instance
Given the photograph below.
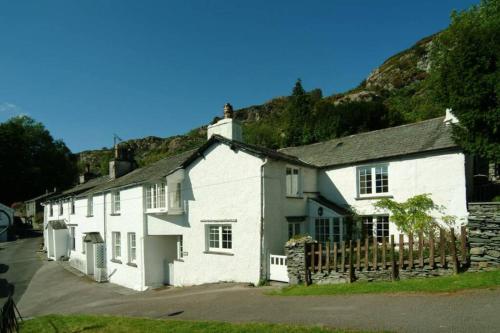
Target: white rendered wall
x=440 y=175
x=228 y=128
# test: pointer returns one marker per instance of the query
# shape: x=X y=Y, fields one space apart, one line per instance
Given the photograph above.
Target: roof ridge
x=365 y=133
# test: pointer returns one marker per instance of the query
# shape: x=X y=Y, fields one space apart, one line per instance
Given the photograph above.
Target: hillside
x=393 y=93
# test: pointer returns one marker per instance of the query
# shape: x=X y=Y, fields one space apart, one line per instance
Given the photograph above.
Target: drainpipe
x=263 y=261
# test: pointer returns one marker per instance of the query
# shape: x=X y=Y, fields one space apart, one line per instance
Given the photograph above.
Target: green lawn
x=427 y=285
x=105 y=324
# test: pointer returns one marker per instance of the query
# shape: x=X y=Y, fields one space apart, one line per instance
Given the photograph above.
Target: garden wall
x=484 y=235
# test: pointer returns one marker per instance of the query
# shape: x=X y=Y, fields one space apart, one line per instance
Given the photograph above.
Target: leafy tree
x=297 y=116
x=31 y=160
x=414 y=214
x=466 y=76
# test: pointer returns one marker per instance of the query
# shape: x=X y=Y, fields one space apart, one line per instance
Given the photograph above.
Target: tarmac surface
x=55 y=288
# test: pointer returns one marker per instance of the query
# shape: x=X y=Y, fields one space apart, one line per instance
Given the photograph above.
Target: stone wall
x=484 y=235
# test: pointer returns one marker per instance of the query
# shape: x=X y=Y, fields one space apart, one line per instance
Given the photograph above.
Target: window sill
x=116 y=261
x=294 y=197
x=115 y=214
x=219 y=253
x=374 y=197
x=156 y=211
x=89 y=216
x=131 y=264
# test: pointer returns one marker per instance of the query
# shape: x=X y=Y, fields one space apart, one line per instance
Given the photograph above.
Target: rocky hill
x=399 y=83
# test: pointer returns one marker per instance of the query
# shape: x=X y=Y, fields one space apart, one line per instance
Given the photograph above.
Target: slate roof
x=424 y=136
x=45 y=195
x=332 y=205
x=152 y=172
x=80 y=188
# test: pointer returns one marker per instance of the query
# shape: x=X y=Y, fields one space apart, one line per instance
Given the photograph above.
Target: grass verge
x=105 y=324
x=426 y=285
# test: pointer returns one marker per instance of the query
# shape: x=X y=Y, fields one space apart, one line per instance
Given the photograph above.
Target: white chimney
x=450 y=118
x=227 y=127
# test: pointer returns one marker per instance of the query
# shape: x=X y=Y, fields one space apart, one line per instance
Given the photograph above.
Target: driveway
x=53 y=289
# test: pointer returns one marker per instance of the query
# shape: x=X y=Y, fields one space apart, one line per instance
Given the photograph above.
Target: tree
x=297 y=116
x=31 y=160
x=466 y=76
x=414 y=214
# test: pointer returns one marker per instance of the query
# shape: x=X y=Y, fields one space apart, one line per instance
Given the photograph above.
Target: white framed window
x=155 y=196
x=175 y=196
x=373 y=180
x=72 y=238
x=376 y=226
x=83 y=245
x=115 y=202
x=220 y=238
x=90 y=205
x=72 y=206
x=180 y=247
x=329 y=230
x=292 y=180
x=117 y=245
x=294 y=228
x=322 y=230
x=132 y=247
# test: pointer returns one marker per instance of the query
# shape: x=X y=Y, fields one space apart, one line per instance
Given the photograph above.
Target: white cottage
x=218 y=212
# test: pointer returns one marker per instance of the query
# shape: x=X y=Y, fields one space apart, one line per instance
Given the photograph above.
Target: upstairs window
x=175 y=196
x=90 y=206
x=292 y=182
x=373 y=180
x=115 y=202
x=155 y=196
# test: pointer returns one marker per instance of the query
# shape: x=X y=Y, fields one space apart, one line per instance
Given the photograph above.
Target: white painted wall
x=441 y=174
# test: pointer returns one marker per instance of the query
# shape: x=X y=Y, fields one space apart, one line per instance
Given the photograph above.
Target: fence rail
x=371 y=255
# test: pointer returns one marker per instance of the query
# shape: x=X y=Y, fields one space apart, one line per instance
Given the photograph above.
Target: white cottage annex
x=217 y=213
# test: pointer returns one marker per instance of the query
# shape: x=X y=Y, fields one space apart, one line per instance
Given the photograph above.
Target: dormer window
x=155 y=197
x=292 y=180
x=373 y=180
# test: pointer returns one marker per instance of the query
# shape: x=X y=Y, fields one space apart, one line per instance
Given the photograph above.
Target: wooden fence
x=372 y=255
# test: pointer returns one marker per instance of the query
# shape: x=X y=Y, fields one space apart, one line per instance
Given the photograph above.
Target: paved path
x=54 y=289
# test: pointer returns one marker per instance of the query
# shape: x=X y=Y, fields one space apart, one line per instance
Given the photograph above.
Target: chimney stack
x=123 y=162
x=228 y=127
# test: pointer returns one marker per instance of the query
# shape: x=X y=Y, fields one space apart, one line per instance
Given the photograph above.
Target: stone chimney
x=86 y=175
x=228 y=127
x=122 y=163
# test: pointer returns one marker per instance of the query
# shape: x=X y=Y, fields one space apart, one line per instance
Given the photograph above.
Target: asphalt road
x=54 y=289
x=18 y=263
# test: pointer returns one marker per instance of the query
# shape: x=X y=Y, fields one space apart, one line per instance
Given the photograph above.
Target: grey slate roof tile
x=419 y=137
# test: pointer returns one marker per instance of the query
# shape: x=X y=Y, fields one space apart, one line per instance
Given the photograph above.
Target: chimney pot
x=228 y=111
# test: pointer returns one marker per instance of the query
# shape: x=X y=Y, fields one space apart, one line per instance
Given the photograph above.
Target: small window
x=373 y=179
x=382 y=228
x=72 y=238
x=322 y=227
x=90 y=206
x=180 y=247
x=292 y=182
x=132 y=247
x=220 y=237
x=155 y=196
x=117 y=246
x=376 y=226
x=293 y=229
x=72 y=206
x=115 y=202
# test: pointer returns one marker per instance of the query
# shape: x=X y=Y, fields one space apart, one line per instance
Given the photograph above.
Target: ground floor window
x=329 y=229
x=132 y=247
x=117 y=248
x=322 y=230
x=375 y=226
x=180 y=247
x=220 y=237
x=294 y=229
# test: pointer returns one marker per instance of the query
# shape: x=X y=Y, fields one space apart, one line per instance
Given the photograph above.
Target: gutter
x=263 y=271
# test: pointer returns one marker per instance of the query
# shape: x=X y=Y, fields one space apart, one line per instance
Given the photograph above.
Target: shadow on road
x=6 y=288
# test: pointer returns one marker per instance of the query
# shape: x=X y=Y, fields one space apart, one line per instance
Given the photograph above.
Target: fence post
x=375 y=250
x=410 y=251
x=313 y=265
x=431 y=250
x=320 y=257
x=401 y=251
x=463 y=243
x=351 y=268
x=421 y=249
x=367 y=263
x=342 y=263
x=306 y=264
x=358 y=254
x=327 y=259
x=442 y=248
x=335 y=255
x=394 y=273
x=384 y=253
x=454 y=257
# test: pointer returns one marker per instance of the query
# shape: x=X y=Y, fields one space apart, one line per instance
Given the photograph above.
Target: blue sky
x=88 y=69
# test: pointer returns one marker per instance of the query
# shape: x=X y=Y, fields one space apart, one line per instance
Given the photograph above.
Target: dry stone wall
x=484 y=235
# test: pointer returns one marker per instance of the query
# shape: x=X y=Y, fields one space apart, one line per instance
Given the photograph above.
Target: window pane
x=365 y=181
x=161 y=195
x=213 y=240
x=367 y=227
x=226 y=237
x=382 y=179
x=322 y=230
x=336 y=229
x=382 y=228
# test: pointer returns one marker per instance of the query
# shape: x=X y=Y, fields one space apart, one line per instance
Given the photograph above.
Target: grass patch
x=427 y=285
x=105 y=324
